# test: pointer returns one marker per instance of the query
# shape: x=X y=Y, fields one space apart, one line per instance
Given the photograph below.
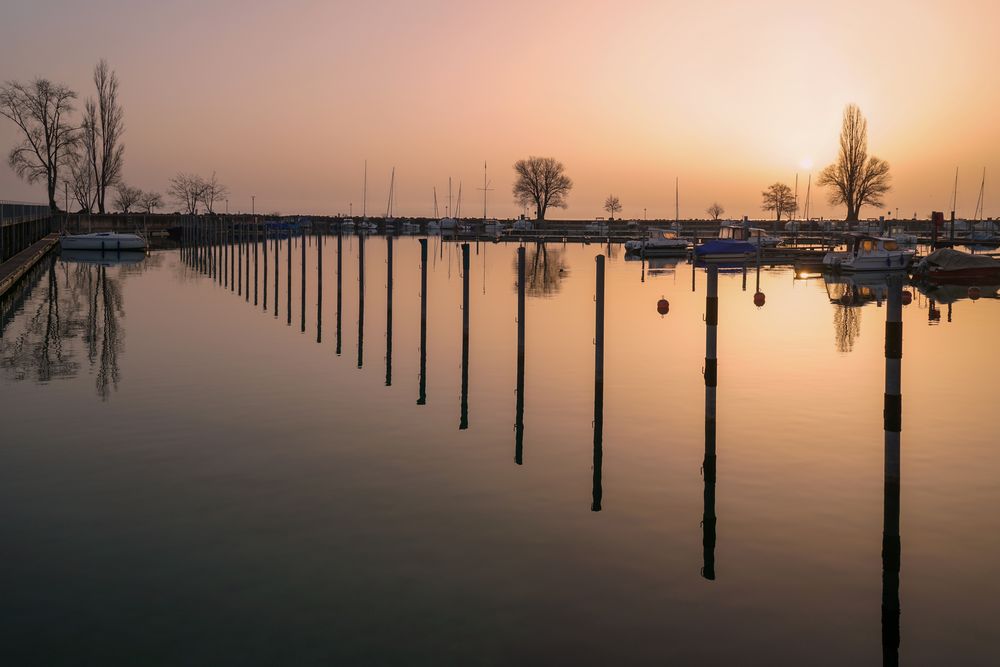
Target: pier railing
x=21 y=224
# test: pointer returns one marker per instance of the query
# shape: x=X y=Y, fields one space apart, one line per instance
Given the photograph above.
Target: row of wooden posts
x=220 y=255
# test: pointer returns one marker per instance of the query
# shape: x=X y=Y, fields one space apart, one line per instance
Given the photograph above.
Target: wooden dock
x=14 y=268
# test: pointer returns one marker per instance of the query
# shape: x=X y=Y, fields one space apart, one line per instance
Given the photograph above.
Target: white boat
x=410 y=228
x=902 y=238
x=106 y=241
x=494 y=227
x=347 y=224
x=760 y=237
x=658 y=243
x=869 y=253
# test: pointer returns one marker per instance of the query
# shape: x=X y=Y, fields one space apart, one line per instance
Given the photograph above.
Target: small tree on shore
x=541 y=183
x=856 y=178
x=715 y=211
x=41 y=110
x=612 y=205
x=213 y=191
x=187 y=190
x=126 y=197
x=150 y=201
x=778 y=198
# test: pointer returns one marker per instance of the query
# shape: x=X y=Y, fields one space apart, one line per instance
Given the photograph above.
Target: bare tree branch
x=856 y=179
x=542 y=183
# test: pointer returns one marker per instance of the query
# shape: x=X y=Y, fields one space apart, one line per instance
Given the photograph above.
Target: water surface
x=189 y=478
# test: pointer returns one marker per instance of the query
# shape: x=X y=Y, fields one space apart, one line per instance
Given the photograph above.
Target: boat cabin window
x=891 y=245
x=867 y=245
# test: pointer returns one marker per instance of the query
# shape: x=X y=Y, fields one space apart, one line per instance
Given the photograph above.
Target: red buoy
x=907 y=297
x=974 y=293
x=662 y=306
x=758 y=299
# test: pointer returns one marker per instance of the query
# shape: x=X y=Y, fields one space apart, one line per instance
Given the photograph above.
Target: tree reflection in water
x=80 y=301
x=545 y=268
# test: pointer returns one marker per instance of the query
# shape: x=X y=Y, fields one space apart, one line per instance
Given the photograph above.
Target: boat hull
x=724 y=249
x=106 y=243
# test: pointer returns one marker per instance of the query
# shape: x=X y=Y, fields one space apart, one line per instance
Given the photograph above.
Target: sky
x=285 y=102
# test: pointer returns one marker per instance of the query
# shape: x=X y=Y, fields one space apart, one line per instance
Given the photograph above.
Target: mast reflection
x=708 y=519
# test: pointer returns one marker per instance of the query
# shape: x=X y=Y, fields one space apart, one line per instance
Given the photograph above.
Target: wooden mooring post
x=463 y=422
x=422 y=390
x=892 y=424
x=519 y=406
x=711 y=383
x=598 y=491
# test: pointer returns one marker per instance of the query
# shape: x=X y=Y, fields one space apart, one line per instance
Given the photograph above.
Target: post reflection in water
x=892 y=421
x=519 y=411
x=361 y=300
x=388 y=311
x=256 y=244
x=463 y=422
x=598 y=492
x=277 y=268
x=340 y=282
x=711 y=382
x=422 y=392
x=263 y=248
x=302 y=240
x=319 y=287
x=288 y=271
x=246 y=264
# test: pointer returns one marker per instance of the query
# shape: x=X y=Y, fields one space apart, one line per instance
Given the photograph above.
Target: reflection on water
x=271 y=478
x=81 y=301
x=546 y=269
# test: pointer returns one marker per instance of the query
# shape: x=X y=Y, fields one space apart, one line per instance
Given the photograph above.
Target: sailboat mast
x=808 y=193
x=448 y=211
x=392 y=184
x=364 y=205
x=677 y=199
x=954 y=195
x=485 y=187
x=981 y=201
x=458 y=204
x=435 y=202
x=795 y=202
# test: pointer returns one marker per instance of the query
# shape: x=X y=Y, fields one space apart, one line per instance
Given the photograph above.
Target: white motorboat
x=760 y=237
x=347 y=224
x=494 y=227
x=658 y=243
x=869 y=253
x=106 y=241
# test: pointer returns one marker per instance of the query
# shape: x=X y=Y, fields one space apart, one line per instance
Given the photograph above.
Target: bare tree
x=857 y=179
x=126 y=197
x=187 y=190
x=80 y=179
x=40 y=109
x=542 y=183
x=150 y=201
x=106 y=150
x=715 y=211
x=214 y=191
x=778 y=198
x=612 y=205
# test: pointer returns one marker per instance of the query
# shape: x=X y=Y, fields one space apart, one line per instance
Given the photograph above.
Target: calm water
x=188 y=478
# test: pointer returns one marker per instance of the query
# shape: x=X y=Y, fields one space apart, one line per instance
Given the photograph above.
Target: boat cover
x=947 y=259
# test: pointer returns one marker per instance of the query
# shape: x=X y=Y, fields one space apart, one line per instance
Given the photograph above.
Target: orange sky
x=286 y=103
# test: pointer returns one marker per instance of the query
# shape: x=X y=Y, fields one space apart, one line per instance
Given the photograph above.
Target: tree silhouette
x=541 y=183
x=612 y=205
x=778 y=198
x=715 y=211
x=856 y=178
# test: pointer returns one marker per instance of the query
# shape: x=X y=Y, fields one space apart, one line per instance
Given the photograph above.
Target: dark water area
x=332 y=456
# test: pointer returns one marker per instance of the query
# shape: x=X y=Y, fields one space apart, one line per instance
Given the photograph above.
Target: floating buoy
x=974 y=293
x=907 y=297
x=758 y=299
x=662 y=306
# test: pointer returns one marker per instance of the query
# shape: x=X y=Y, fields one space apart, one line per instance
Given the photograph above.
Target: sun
x=806 y=163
